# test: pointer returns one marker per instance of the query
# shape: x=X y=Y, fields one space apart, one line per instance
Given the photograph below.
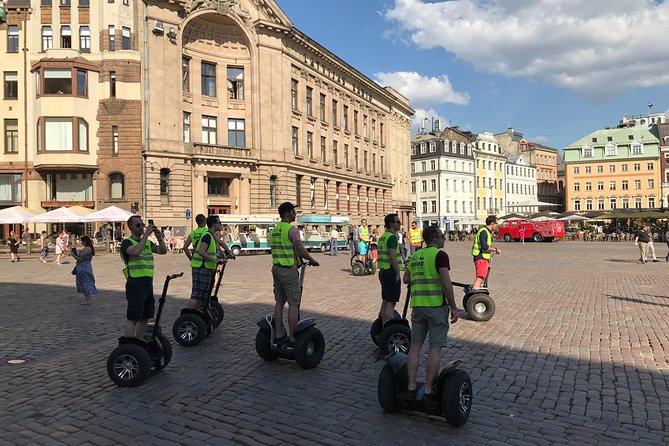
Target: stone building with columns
x=242 y=111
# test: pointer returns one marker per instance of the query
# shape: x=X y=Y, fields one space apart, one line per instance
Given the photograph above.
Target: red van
x=534 y=230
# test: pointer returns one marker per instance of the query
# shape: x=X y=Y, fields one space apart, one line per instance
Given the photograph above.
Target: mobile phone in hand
x=151 y=222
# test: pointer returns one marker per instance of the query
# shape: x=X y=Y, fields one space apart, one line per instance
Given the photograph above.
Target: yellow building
x=490 y=164
x=613 y=169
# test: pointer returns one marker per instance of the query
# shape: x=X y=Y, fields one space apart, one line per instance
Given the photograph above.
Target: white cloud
x=595 y=47
x=422 y=90
x=425 y=118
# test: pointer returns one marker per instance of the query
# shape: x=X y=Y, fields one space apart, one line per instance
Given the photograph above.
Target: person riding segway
x=362 y=263
x=304 y=342
x=448 y=393
x=477 y=302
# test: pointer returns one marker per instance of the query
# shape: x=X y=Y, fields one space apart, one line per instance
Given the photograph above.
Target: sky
x=555 y=70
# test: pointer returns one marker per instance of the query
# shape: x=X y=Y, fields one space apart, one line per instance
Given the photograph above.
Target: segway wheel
x=217 y=312
x=128 y=365
x=309 y=348
x=465 y=299
x=263 y=345
x=375 y=331
x=372 y=268
x=395 y=338
x=358 y=269
x=167 y=352
x=387 y=390
x=189 y=329
x=456 y=397
x=480 y=307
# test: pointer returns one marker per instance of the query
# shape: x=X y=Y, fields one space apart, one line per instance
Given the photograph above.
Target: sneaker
x=278 y=342
x=655 y=261
x=288 y=346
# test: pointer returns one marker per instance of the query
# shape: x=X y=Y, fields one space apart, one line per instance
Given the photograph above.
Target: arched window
x=272 y=191
x=116 y=185
x=164 y=186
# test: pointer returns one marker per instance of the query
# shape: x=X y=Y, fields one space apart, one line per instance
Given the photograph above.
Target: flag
x=650 y=104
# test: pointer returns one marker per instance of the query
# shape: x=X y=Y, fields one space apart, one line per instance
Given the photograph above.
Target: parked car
x=534 y=230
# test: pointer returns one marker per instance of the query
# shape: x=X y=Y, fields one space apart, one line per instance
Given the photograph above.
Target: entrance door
x=218 y=210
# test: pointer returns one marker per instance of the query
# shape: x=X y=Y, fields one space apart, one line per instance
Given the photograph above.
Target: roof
x=621 y=136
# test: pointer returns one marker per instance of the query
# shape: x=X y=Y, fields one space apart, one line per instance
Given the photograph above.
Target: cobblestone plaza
x=577 y=353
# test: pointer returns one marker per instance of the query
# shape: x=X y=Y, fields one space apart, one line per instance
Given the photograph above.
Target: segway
x=453 y=387
x=134 y=359
x=395 y=335
x=309 y=341
x=195 y=324
x=359 y=268
x=477 y=303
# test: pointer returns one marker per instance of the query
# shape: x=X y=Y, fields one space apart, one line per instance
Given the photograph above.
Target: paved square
x=577 y=353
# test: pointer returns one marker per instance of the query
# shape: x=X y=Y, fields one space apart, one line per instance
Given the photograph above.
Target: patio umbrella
x=574 y=218
x=112 y=213
x=16 y=214
x=60 y=215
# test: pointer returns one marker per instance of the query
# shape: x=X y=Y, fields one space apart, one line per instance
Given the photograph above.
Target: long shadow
x=221 y=391
x=638 y=301
x=622 y=261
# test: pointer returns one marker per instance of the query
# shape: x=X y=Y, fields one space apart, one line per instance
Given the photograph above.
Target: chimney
x=436 y=126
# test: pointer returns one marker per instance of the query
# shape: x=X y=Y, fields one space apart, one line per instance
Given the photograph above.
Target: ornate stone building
x=243 y=111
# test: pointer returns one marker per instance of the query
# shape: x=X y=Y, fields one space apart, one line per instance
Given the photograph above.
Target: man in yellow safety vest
x=482 y=250
x=415 y=237
x=363 y=241
x=137 y=254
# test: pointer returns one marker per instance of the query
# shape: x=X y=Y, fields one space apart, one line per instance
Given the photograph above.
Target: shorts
x=45 y=252
x=363 y=247
x=141 y=303
x=432 y=320
x=390 y=288
x=286 y=285
x=201 y=283
x=481 y=268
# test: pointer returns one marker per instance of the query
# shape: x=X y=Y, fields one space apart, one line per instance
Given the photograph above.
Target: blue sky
x=555 y=70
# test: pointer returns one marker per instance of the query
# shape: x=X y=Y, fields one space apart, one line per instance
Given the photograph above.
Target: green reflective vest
x=212 y=250
x=197 y=234
x=141 y=265
x=383 y=259
x=476 y=249
x=426 y=288
x=283 y=250
x=364 y=234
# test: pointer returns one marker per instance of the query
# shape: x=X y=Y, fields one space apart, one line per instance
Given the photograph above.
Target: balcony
x=213 y=152
x=57 y=204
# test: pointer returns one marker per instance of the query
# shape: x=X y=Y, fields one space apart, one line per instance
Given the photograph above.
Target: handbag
x=74 y=270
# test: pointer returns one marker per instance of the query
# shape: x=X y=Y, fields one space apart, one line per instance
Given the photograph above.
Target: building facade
x=71 y=105
x=490 y=169
x=520 y=184
x=259 y=114
x=613 y=169
x=442 y=178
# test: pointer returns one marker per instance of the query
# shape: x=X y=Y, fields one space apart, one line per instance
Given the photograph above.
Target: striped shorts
x=201 y=283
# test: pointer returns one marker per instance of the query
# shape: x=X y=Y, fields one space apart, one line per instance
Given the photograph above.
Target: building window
x=334 y=113
x=322 y=107
x=355 y=122
x=625 y=185
x=577 y=205
x=588 y=205
x=310 y=93
x=335 y=158
x=112 y=37
x=295 y=140
x=209 y=128
x=208 y=79
x=310 y=145
x=84 y=39
x=626 y=203
x=272 y=191
x=65 y=37
x=112 y=84
x=364 y=161
x=382 y=138
x=236 y=133
x=293 y=94
x=57 y=81
x=637 y=184
x=611 y=150
x=423 y=186
x=649 y=166
x=125 y=38
x=298 y=190
x=59 y=134
x=588 y=186
x=82 y=85
x=613 y=203
x=651 y=184
x=365 y=130
x=65 y=2
x=346 y=163
x=600 y=185
x=11 y=82
x=576 y=170
x=423 y=166
x=433 y=185
x=114 y=140
x=373 y=162
x=323 y=152
x=434 y=207
x=164 y=186
x=600 y=169
x=623 y=168
x=219 y=187
x=413 y=187
x=636 y=148
x=236 y=83
x=612 y=168
x=83 y=135
x=47 y=38
x=637 y=166
x=346 y=117
x=185 y=74
x=433 y=165
x=10 y=188
x=651 y=202
x=116 y=186
x=88 y=2
x=577 y=187
x=312 y=192
x=637 y=202
x=186 y=127
x=424 y=206
x=11 y=136
x=12 y=39
x=356 y=159
x=612 y=185
x=325 y=194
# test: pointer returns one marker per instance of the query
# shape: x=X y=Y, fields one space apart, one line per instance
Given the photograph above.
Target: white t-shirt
x=334 y=234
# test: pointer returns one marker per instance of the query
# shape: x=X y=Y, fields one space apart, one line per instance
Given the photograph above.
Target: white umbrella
x=112 y=213
x=16 y=214
x=60 y=215
x=574 y=218
x=531 y=203
x=470 y=222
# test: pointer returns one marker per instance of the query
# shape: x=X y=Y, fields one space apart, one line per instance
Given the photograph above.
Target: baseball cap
x=286 y=207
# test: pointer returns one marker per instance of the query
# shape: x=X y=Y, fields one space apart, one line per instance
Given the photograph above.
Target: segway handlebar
x=174 y=276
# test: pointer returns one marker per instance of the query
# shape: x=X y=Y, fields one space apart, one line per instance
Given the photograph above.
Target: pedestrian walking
x=641 y=239
x=13 y=243
x=334 y=236
x=167 y=236
x=59 y=249
x=521 y=234
x=651 y=246
x=83 y=270
x=44 y=247
x=374 y=245
x=27 y=240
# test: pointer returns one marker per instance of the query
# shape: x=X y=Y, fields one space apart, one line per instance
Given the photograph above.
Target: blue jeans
x=333 y=247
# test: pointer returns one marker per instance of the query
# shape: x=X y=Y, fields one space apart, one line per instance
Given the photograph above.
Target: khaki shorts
x=286 y=285
x=429 y=319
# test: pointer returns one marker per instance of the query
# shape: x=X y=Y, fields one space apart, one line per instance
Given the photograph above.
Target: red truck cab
x=533 y=230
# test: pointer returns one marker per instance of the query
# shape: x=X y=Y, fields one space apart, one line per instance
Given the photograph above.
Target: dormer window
x=636 y=148
x=433 y=146
x=413 y=149
x=587 y=152
x=611 y=149
x=423 y=148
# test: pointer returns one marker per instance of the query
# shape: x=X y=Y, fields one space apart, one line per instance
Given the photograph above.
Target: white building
x=521 y=184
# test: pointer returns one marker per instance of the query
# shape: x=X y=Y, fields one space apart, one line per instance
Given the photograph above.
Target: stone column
x=244 y=196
